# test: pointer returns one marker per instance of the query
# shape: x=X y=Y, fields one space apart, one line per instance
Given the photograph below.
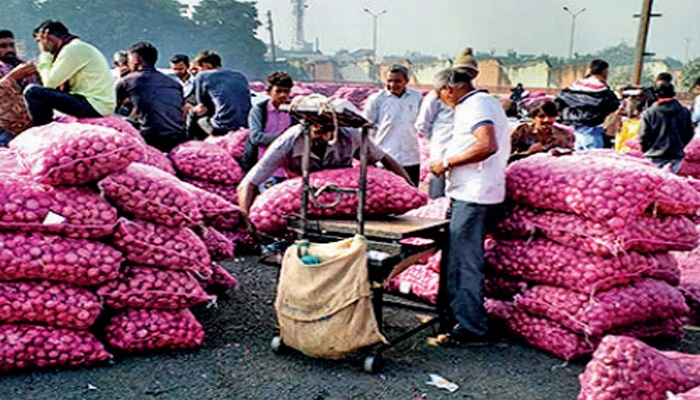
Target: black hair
x=547 y=108
x=697 y=82
x=597 y=67
x=399 y=69
x=180 y=58
x=208 y=56
x=147 y=52
x=6 y=34
x=665 y=90
x=55 y=28
x=280 y=79
x=664 y=77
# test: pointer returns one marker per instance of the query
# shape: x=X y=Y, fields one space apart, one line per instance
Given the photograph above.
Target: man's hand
x=22 y=71
x=536 y=148
x=437 y=168
x=199 y=109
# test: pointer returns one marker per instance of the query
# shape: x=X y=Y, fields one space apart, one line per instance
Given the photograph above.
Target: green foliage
x=227 y=26
x=691 y=72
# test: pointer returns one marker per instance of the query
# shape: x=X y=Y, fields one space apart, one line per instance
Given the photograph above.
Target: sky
x=443 y=27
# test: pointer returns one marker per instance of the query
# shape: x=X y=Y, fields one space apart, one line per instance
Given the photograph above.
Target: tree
x=690 y=73
x=229 y=28
x=116 y=26
x=20 y=16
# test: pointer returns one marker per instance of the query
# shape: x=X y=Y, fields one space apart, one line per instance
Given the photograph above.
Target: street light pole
x=375 y=18
x=573 y=27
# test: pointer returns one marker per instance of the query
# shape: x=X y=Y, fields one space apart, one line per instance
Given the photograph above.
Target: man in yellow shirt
x=75 y=75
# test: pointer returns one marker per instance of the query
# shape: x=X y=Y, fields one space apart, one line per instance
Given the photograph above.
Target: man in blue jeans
x=475 y=162
x=586 y=104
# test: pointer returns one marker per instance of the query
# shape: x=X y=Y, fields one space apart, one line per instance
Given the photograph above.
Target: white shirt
x=435 y=122
x=483 y=182
x=395 y=118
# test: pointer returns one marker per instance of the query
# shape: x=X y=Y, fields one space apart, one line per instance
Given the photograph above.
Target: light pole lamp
x=573 y=27
x=375 y=17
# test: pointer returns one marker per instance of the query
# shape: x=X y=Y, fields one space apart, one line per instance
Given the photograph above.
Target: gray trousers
x=465 y=265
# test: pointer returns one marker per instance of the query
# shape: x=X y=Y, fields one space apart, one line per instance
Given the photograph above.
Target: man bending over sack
x=76 y=77
x=287 y=151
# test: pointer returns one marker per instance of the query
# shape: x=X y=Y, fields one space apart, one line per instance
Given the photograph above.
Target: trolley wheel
x=373 y=364
x=276 y=345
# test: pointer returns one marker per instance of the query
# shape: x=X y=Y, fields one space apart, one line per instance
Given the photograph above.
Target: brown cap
x=466 y=60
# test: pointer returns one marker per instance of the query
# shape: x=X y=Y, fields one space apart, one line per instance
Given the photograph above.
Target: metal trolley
x=388 y=256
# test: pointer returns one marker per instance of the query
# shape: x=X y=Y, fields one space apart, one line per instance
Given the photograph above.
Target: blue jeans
x=41 y=103
x=673 y=165
x=465 y=265
x=588 y=137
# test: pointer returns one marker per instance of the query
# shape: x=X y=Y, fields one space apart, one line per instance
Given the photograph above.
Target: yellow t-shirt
x=630 y=130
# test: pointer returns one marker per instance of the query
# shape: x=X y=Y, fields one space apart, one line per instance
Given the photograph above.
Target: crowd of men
x=473 y=135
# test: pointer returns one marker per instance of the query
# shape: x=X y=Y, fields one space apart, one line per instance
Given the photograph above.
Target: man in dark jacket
x=666 y=129
x=586 y=104
x=156 y=98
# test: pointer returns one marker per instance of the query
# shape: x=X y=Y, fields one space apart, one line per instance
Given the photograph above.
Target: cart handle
x=331 y=189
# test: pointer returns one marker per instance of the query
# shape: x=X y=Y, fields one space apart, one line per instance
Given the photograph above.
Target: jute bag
x=13 y=112
x=325 y=310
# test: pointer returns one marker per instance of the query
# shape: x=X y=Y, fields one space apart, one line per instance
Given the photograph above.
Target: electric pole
x=270 y=28
x=645 y=19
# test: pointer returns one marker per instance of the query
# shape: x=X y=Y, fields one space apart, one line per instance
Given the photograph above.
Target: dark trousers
x=5 y=137
x=413 y=172
x=200 y=127
x=41 y=103
x=465 y=265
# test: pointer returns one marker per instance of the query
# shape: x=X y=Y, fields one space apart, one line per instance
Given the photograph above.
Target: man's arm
x=645 y=133
x=247 y=192
x=427 y=114
x=122 y=93
x=67 y=64
x=370 y=112
x=687 y=132
x=484 y=147
x=391 y=165
x=258 y=137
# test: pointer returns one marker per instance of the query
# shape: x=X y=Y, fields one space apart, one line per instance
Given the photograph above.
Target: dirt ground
x=236 y=363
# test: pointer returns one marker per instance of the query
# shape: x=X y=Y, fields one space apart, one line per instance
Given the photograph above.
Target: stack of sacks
x=213 y=174
x=689 y=264
x=691 y=161
x=591 y=233
x=50 y=256
x=356 y=94
x=387 y=194
x=424 y=148
x=624 y=368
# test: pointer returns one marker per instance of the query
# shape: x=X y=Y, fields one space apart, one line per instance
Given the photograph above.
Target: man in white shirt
x=475 y=162
x=394 y=112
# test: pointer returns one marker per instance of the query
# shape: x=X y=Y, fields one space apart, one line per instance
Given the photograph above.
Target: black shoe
x=460 y=337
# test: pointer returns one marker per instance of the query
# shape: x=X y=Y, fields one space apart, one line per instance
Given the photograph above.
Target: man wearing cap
x=435 y=121
x=394 y=111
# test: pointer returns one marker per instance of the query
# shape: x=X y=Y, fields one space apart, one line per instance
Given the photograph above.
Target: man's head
x=180 y=64
x=142 y=54
x=599 y=68
x=207 y=60
x=663 y=77
x=397 y=79
x=120 y=60
x=543 y=115
x=665 y=90
x=452 y=84
x=50 y=35
x=696 y=85
x=321 y=134
x=466 y=62
x=8 y=51
x=279 y=85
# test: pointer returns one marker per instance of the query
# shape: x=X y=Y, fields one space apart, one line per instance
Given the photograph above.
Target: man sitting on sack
x=15 y=75
x=327 y=151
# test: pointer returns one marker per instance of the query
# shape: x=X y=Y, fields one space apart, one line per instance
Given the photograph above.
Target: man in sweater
x=15 y=75
x=586 y=104
x=666 y=129
x=75 y=75
x=223 y=98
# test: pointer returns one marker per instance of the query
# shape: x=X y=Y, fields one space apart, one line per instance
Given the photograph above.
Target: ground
x=236 y=363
